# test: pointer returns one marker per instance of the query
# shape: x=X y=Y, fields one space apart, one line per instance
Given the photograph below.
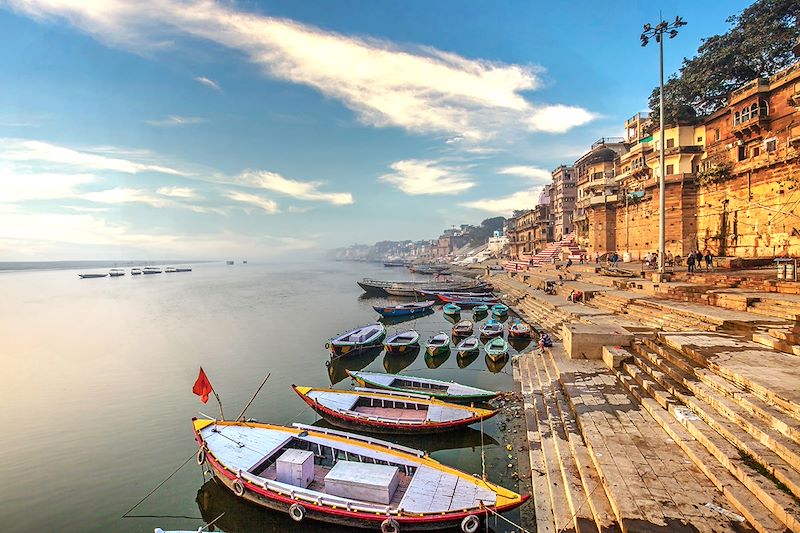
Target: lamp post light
x=657 y=32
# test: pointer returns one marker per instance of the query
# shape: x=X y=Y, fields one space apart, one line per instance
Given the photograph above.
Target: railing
x=607 y=140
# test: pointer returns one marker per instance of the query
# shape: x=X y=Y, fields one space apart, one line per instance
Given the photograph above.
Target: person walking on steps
x=690 y=259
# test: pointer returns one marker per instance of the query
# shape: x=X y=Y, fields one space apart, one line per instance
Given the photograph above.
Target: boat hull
x=401 y=348
x=460 y=398
x=341 y=350
x=435 y=351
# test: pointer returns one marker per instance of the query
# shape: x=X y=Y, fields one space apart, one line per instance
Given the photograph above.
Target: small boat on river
x=401 y=342
x=451 y=309
x=519 y=329
x=482 y=292
x=463 y=328
x=136 y=271
x=151 y=270
x=438 y=344
x=468 y=345
x=481 y=309
x=362 y=338
x=496 y=348
x=402 y=288
x=470 y=300
x=187 y=269
x=344 y=478
x=444 y=390
x=491 y=329
x=92 y=276
x=499 y=309
x=389 y=411
x=116 y=272
x=170 y=270
x=414 y=308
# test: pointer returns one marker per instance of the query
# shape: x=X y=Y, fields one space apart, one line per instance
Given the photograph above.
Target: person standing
x=709 y=260
x=597 y=258
x=690 y=261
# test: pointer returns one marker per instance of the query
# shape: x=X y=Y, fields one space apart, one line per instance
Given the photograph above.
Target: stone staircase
x=742 y=433
x=786 y=340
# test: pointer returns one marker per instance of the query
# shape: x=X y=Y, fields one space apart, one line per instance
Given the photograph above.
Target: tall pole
x=662 y=230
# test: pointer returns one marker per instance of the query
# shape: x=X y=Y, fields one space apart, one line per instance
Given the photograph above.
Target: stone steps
x=775 y=309
x=783 y=506
x=769 y=340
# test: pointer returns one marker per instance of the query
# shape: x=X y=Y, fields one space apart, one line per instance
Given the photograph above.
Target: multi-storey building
x=562 y=200
x=543 y=220
x=520 y=234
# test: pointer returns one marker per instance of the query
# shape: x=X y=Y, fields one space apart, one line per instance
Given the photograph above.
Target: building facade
x=562 y=200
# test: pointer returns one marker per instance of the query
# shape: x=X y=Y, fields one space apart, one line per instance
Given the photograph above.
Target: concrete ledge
x=614 y=356
x=586 y=341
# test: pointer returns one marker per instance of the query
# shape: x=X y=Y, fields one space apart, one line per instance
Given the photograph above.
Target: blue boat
x=451 y=309
x=413 y=308
x=499 y=310
x=481 y=309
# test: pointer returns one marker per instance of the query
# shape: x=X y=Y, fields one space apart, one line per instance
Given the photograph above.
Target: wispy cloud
x=22 y=186
x=47 y=155
x=175 y=120
x=533 y=173
x=418 y=177
x=186 y=193
x=208 y=82
x=254 y=200
x=506 y=205
x=302 y=190
x=420 y=89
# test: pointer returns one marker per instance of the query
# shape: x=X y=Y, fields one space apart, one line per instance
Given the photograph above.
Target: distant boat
x=438 y=344
x=353 y=341
x=116 y=272
x=393 y=264
x=136 y=271
x=389 y=411
x=463 y=328
x=90 y=276
x=500 y=309
x=481 y=309
x=151 y=270
x=401 y=342
x=451 y=309
x=492 y=328
x=228 y=262
x=444 y=390
x=244 y=262
x=170 y=269
x=414 y=308
x=468 y=345
x=183 y=269
x=496 y=349
x=519 y=329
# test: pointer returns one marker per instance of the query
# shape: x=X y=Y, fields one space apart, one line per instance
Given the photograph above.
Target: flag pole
x=221 y=414
x=254 y=396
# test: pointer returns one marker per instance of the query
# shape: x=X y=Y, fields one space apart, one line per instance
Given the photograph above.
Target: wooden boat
x=358 y=339
x=394 y=264
x=491 y=329
x=481 y=309
x=444 y=390
x=187 y=269
x=617 y=272
x=480 y=291
x=470 y=344
x=463 y=329
x=469 y=300
x=464 y=359
x=403 y=292
x=496 y=365
x=499 y=309
x=438 y=344
x=519 y=329
x=451 y=309
x=401 y=342
x=91 y=276
x=405 y=309
x=389 y=411
x=136 y=272
x=349 y=479
x=151 y=270
x=378 y=287
x=116 y=272
x=496 y=348
x=170 y=270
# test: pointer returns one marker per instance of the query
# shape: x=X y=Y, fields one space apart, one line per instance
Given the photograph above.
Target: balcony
x=753 y=122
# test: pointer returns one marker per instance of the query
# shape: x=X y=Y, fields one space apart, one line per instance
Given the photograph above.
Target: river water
x=97 y=378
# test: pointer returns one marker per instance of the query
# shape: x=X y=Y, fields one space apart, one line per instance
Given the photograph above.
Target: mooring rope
x=159 y=485
x=501 y=517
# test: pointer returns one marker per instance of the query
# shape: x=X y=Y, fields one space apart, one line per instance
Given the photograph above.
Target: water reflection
x=395 y=362
x=392 y=320
x=498 y=365
x=519 y=343
x=337 y=367
x=453 y=319
x=465 y=359
x=435 y=361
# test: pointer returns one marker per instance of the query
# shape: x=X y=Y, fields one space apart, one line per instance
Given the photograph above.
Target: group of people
x=695 y=260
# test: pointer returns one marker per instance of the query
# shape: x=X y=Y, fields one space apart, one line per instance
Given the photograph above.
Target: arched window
x=754 y=110
x=736 y=119
x=745 y=114
x=763 y=108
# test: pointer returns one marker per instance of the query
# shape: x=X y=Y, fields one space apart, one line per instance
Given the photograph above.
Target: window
x=742 y=153
x=699 y=139
x=754 y=110
x=755 y=152
x=670 y=143
x=745 y=114
x=770 y=145
x=736 y=118
x=716 y=134
x=670 y=169
x=763 y=108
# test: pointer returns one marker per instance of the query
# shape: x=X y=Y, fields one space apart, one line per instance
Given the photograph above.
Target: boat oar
x=254 y=396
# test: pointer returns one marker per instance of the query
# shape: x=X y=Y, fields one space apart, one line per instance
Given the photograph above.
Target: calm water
x=97 y=378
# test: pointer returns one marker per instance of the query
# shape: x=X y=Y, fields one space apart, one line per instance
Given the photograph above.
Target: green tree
x=758 y=44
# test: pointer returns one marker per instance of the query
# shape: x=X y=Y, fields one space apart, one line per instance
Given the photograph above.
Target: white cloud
x=208 y=83
x=20 y=186
x=295 y=209
x=533 y=173
x=420 y=89
x=124 y=195
x=270 y=206
x=186 y=193
x=302 y=190
x=418 y=177
x=506 y=205
x=50 y=155
x=175 y=120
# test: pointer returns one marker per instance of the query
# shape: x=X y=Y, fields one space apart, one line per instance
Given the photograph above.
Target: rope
x=483 y=456
x=501 y=517
x=159 y=485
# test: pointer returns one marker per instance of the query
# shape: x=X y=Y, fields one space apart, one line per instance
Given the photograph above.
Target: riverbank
x=655 y=410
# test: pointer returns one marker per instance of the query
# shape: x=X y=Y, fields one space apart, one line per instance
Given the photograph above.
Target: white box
x=295 y=467
x=362 y=481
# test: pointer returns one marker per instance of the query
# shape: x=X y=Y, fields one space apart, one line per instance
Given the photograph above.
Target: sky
x=217 y=129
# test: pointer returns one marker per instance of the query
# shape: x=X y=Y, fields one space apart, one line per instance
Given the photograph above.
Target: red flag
x=202 y=387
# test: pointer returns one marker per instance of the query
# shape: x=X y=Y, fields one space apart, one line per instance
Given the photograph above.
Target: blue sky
x=160 y=129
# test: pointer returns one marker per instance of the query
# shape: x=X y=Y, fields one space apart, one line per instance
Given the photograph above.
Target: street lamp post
x=657 y=32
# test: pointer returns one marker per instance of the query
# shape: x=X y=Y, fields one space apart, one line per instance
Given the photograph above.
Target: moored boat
x=444 y=390
x=496 y=365
x=414 y=308
x=187 y=269
x=451 y=309
x=389 y=411
x=519 y=329
x=136 y=271
x=499 y=309
x=344 y=478
x=491 y=329
x=463 y=329
x=355 y=340
x=496 y=348
x=91 y=276
x=394 y=264
x=438 y=344
x=379 y=287
x=151 y=270
x=481 y=309
x=470 y=300
x=470 y=344
x=401 y=342
x=116 y=272
x=170 y=269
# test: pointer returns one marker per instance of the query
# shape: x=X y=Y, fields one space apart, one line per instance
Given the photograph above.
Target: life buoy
x=470 y=524
x=201 y=456
x=238 y=487
x=297 y=512
x=390 y=525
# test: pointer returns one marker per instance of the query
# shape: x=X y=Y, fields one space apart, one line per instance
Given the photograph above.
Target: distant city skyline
x=207 y=130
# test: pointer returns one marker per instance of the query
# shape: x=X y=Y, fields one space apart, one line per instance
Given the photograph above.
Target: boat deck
x=388 y=413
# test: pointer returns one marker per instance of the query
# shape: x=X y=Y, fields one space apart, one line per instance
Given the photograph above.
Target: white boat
x=116 y=272
x=136 y=271
x=345 y=478
x=183 y=269
x=90 y=276
x=151 y=270
x=446 y=390
x=170 y=269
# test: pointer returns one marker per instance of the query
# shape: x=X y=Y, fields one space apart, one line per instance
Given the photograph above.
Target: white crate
x=295 y=467
x=362 y=481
